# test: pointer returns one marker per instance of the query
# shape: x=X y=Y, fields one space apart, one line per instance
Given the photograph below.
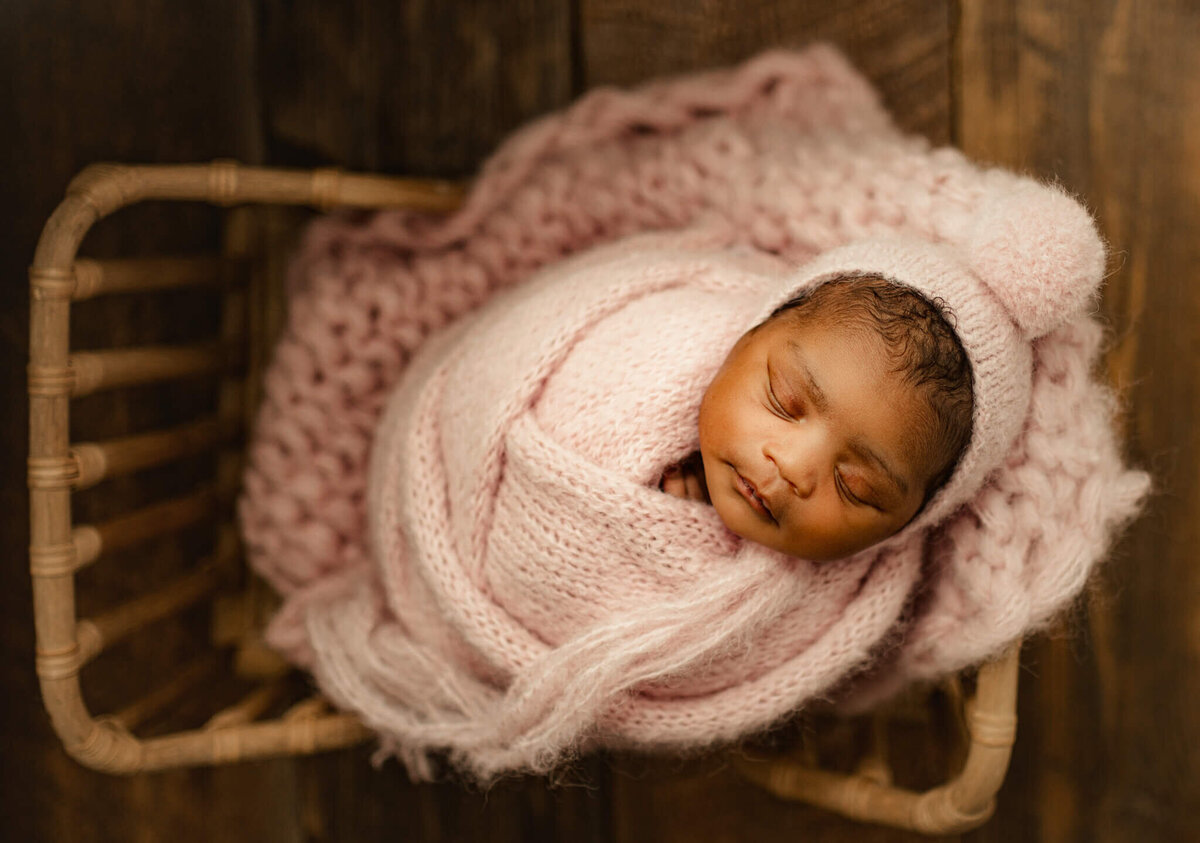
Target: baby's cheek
x=719 y=410
x=704 y=424
x=726 y=511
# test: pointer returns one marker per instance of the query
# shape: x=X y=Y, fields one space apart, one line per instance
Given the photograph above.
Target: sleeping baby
x=716 y=397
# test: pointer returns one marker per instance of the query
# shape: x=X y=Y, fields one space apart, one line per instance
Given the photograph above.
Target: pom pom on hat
x=1038 y=250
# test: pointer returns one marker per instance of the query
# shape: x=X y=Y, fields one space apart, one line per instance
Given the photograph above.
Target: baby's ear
x=1038 y=249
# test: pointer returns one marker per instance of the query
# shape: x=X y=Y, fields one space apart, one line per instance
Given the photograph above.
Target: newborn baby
x=831 y=424
x=529 y=590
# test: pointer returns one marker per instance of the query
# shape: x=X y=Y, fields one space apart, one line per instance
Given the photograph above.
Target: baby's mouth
x=750 y=492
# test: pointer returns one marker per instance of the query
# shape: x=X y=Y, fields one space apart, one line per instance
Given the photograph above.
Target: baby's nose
x=797 y=468
x=802 y=479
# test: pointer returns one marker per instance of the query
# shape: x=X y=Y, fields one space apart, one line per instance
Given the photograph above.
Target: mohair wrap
x=459 y=503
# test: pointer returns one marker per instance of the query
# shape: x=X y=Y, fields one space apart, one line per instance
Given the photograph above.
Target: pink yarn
x=528 y=593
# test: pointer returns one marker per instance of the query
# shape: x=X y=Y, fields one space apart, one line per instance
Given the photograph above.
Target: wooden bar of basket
x=191 y=676
x=149 y=522
x=94 y=371
x=126 y=275
x=250 y=706
x=97 y=461
x=96 y=634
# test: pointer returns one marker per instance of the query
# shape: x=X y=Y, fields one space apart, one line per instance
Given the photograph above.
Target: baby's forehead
x=826 y=349
x=801 y=328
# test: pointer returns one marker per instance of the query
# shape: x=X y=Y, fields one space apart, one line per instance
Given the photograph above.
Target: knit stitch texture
x=458 y=503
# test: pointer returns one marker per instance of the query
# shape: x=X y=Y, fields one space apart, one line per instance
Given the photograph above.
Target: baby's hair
x=919 y=336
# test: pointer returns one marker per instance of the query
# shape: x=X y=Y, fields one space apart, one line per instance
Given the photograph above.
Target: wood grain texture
x=346 y=799
x=1103 y=97
x=903 y=46
x=419 y=87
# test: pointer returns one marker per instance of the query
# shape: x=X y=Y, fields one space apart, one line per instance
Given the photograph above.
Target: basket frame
x=58 y=548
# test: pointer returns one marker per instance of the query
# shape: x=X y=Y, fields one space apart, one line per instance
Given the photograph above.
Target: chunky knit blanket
x=510 y=587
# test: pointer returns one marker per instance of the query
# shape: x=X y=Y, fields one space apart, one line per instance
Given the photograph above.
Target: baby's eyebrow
x=815 y=393
x=819 y=399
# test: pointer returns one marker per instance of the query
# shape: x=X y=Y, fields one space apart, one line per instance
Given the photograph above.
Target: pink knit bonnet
x=1030 y=261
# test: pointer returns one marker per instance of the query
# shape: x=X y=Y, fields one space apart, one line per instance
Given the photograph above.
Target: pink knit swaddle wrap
x=527 y=591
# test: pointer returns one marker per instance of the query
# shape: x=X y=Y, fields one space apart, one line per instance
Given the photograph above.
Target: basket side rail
x=57 y=549
x=963 y=803
x=101 y=277
x=108 y=746
x=101 y=189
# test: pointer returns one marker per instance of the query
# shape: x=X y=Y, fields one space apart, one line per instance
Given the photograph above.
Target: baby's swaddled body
x=527 y=590
x=522 y=539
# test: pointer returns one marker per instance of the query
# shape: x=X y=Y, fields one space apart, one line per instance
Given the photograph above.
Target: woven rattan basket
x=264 y=721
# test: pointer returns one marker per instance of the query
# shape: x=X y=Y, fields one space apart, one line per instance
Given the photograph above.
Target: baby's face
x=811 y=445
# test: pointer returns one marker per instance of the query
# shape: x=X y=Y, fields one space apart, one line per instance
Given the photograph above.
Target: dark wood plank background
x=1104 y=97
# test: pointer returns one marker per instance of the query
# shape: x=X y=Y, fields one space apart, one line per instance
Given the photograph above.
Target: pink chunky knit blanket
x=459 y=504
